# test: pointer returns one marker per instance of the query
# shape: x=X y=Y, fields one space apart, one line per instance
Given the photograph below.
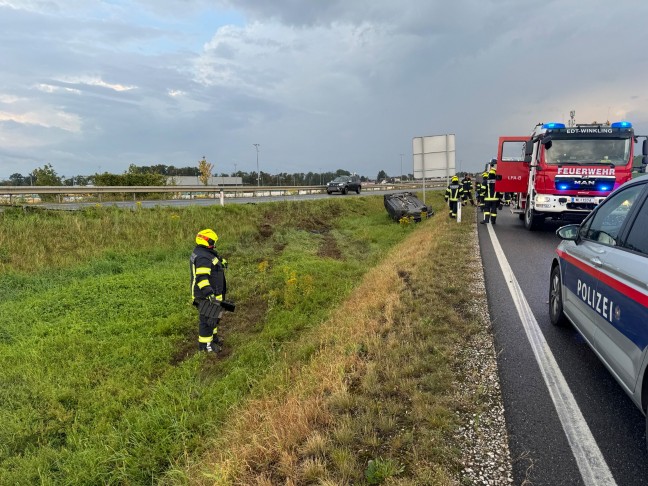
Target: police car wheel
x=556 y=314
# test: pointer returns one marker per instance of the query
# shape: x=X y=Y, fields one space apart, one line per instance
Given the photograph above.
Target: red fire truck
x=564 y=172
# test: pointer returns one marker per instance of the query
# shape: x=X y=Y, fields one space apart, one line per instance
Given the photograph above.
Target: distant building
x=213 y=181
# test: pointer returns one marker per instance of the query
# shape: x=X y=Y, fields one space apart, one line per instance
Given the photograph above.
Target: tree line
x=161 y=175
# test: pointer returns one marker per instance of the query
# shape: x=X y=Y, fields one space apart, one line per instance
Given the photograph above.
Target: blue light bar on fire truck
x=553 y=125
x=622 y=124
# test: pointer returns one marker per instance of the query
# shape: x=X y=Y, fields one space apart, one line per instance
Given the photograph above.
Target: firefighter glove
x=213 y=298
x=224 y=263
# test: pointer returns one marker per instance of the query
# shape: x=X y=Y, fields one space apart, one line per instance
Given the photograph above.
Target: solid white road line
x=593 y=468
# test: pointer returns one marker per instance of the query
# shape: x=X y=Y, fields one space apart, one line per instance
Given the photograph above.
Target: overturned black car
x=406 y=205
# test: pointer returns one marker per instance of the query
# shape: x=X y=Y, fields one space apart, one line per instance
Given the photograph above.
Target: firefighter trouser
x=467 y=196
x=490 y=210
x=207 y=330
x=453 y=208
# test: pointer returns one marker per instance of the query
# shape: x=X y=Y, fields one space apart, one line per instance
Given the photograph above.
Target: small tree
x=205 y=169
x=382 y=175
x=46 y=176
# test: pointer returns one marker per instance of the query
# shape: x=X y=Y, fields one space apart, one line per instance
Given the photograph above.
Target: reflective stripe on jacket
x=490 y=194
x=453 y=191
x=207 y=275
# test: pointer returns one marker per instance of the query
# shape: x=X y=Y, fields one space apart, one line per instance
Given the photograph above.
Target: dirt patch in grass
x=248 y=317
x=266 y=230
x=187 y=346
x=329 y=248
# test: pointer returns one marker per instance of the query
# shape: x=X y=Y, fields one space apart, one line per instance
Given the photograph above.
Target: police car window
x=604 y=227
x=637 y=239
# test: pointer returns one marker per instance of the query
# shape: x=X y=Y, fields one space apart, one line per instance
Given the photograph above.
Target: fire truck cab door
x=512 y=170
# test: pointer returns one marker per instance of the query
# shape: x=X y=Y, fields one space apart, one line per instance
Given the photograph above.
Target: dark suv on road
x=344 y=184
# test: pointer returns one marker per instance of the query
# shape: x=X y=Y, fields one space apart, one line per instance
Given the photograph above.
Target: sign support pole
x=423 y=163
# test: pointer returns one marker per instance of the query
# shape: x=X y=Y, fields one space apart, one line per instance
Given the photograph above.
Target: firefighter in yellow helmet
x=207 y=283
x=453 y=195
x=492 y=199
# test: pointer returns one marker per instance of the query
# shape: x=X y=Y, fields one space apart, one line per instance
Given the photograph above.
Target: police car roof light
x=553 y=125
x=622 y=124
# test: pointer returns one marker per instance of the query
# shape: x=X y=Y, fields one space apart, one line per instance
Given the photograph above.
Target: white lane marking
x=593 y=468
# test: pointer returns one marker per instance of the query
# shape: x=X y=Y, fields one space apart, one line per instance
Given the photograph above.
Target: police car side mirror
x=569 y=232
x=644 y=148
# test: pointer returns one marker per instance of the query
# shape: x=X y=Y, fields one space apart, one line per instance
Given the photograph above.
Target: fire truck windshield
x=591 y=151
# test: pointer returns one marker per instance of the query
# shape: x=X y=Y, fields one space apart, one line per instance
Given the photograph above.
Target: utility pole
x=256 y=145
x=401 y=174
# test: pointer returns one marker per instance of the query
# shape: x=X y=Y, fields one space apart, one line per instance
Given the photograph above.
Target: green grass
x=101 y=383
x=371 y=396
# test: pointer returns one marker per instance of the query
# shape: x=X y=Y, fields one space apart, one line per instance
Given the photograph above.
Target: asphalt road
x=539 y=448
x=216 y=201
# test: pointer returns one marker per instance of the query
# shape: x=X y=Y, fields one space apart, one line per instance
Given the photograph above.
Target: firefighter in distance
x=207 y=283
x=466 y=185
x=492 y=199
x=480 y=189
x=453 y=195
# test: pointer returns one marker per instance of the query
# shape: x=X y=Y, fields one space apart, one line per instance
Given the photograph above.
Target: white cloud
x=49 y=88
x=97 y=81
x=45 y=117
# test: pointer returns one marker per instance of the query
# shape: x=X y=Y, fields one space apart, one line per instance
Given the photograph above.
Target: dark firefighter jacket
x=453 y=192
x=489 y=193
x=466 y=185
x=482 y=188
x=207 y=275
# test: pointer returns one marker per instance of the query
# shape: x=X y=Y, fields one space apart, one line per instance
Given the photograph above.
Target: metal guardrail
x=187 y=192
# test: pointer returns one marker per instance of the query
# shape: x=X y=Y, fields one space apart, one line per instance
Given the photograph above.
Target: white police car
x=599 y=282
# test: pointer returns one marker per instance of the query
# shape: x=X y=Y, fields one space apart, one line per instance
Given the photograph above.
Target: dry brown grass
x=364 y=390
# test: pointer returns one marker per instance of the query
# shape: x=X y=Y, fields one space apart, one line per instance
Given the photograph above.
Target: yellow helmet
x=207 y=237
x=455 y=179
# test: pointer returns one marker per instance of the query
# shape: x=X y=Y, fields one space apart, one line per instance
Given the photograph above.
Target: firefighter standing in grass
x=492 y=199
x=453 y=195
x=466 y=186
x=207 y=283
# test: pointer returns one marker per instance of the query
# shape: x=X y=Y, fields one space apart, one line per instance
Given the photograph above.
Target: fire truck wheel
x=556 y=314
x=532 y=220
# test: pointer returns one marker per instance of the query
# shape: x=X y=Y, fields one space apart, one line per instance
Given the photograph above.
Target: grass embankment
x=370 y=395
x=100 y=380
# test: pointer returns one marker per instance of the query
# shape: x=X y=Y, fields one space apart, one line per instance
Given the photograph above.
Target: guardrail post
x=222 y=198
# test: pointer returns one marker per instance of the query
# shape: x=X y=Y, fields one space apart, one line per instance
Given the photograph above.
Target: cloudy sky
x=92 y=86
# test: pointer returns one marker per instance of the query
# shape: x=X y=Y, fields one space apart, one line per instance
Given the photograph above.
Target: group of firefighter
x=488 y=199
